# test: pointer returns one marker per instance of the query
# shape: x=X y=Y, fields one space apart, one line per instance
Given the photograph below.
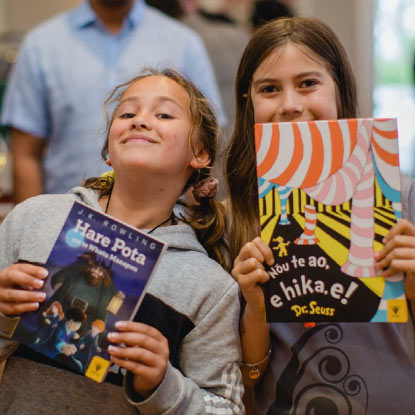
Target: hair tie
x=206 y=188
x=107 y=178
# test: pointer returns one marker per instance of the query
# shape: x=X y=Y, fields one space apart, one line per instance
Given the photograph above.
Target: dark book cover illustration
x=98 y=271
x=329 y=192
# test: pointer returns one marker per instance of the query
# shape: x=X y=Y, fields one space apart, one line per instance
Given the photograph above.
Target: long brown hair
x=208 y=218
x=240 y=169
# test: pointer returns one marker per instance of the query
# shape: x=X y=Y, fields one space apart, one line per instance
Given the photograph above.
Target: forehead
x=158 y=86
x=290 y=57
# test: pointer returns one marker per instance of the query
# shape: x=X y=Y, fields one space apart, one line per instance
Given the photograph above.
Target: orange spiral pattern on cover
x=308 y=156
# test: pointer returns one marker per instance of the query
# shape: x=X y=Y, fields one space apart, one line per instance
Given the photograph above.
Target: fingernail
x=112 y=349
x=44 y=272
x=112 y=335
x=34 y=305
x=39 y=283
x=121 y=324
x=40 y=296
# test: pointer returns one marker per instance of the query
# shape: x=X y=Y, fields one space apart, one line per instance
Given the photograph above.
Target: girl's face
x=151 y=129
x=290 y=85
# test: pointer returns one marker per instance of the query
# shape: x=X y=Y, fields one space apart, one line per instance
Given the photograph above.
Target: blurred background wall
x=21 y=15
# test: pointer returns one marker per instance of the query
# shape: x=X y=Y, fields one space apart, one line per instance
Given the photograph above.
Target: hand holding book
x=398 y=255
x=145 y=354
x=18 y=285
x=249 y=272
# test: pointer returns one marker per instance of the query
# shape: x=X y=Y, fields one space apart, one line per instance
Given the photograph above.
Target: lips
x=138 y=138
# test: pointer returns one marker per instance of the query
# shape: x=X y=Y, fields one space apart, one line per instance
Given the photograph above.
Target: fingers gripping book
x=329 y=192
x=98 y=272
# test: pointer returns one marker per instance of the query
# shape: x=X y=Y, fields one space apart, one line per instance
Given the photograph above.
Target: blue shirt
x=69 y=65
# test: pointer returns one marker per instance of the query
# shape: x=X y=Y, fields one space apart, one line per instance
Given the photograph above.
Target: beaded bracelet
x=254 y=372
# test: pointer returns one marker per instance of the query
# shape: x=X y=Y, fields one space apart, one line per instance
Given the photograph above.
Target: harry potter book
x=329 y=192
x=98 y=272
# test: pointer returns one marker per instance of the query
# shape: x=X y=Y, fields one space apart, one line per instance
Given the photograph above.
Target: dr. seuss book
x=98 y=271
x=329 y=192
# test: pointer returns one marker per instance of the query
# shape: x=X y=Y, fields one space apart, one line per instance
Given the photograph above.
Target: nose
x=290 y=104
x=141 y=121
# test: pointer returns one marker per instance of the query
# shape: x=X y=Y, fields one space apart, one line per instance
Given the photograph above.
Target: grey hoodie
x=191 y=300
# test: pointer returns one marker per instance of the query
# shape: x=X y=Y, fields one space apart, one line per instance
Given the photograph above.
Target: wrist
x=144 y=390
x=144 y=393
x=255 y=370
x=255 y=314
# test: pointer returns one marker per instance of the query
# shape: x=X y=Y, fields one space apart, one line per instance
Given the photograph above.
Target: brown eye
x=269 y=89
x=308 y=83
x=127 y=115
x=164 y=116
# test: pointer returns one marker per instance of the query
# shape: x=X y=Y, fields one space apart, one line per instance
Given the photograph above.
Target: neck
x=141 y=206
x=111 y=13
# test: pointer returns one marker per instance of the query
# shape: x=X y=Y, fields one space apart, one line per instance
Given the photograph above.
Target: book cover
x=98 y=268
x=329 y=192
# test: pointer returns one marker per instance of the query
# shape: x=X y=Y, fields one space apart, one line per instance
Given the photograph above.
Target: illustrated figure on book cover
x=88 y=344
x=49 y=320
x=333 y=189
x=87 y=284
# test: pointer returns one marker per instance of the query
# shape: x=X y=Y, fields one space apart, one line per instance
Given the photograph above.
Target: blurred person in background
x=67 y=66
x=236 y=12
x=266 y=10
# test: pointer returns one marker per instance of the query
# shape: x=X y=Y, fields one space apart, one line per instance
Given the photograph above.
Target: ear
x=200 y=160
x=108 y=162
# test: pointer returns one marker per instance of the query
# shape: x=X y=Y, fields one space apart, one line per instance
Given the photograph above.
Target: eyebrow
x=160 y=99
x=299 y=76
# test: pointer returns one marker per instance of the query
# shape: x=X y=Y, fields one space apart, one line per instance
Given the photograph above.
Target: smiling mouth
x=138 y=139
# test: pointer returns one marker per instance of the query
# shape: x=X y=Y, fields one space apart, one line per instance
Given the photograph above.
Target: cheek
x=328 y=109
x=324 y=106
x=178 y=140
x=329 y=103
x=263 y=110
x=111 y=138
x=115 y=130
x=175 y=152
x=181 y=151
